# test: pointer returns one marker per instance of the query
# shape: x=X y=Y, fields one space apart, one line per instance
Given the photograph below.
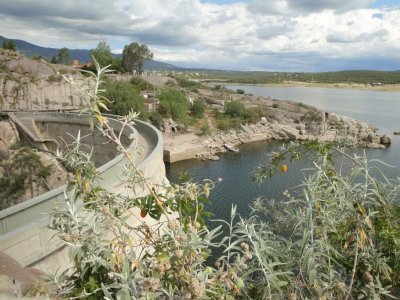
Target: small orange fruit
x=283 y=168
x=143 y=213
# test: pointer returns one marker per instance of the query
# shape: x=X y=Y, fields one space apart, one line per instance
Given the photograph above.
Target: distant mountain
x=82 y=55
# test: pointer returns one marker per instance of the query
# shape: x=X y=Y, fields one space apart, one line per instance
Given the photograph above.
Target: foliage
x=338 y=238
x=141 y=83
x=63 y=56
x=187 y=83
x=198 y=108
x=123 y=96
x=24 y=171
x=102 y=53
x=116 y=65
x=234 y=109
x=205 y=130
x=113 y=258
x=134 y=55
x=155 y=119
x=9 y=45
x=259 y=77
x=240 y=91
x=173 y=103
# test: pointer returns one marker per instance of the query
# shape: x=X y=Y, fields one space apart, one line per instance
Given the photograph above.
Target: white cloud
x=273 y=35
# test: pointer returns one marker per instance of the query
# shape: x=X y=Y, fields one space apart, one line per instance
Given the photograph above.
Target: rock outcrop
x=322 y=126
x=27 y=84
x=8 y=137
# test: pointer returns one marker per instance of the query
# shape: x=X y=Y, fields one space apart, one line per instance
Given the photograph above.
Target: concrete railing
x=22 y=227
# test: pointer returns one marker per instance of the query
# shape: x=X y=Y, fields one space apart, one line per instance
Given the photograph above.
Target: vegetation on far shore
x=349 y=77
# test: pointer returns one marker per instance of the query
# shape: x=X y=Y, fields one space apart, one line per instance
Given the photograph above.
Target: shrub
x=329 y=241
x=275 y=105
x=187 y=83
x=115 y=259
x=234 y=109
x=205 y=130
x=155 y=119
x=173 y=103
x=240 y=91
x=170 y=83
x=198 y=108
x=141 y=84
x=124 y=97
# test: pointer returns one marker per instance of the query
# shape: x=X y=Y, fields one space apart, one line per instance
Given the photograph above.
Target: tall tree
x=134 y=56
x=63 y=56
x=102 y=53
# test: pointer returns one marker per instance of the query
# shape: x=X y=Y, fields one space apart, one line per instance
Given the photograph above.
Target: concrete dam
x=23 y=232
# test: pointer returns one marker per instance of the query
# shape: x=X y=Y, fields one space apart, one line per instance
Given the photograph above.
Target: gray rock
x=385 y=140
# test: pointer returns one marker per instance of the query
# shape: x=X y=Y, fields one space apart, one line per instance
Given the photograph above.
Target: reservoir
x=381 y=109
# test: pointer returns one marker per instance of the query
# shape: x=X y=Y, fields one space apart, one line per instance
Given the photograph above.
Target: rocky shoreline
x=324 y=127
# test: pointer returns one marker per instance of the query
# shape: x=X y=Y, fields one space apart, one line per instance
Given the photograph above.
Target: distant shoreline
x=383 y=88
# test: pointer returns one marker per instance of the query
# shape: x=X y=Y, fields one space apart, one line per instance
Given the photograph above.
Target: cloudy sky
x=272 y=35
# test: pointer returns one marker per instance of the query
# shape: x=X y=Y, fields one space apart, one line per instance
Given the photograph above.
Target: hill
x=31 y=50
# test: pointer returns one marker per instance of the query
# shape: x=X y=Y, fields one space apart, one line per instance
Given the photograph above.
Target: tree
x=102 y=53
x=134 y=56
x=63 y=56
x=9 y=45
x=54 y=60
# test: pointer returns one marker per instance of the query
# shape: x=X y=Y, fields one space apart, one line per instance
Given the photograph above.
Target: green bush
x=173 y=103
x=141 y=84
x=198 y=108
x=187 y=83
x=124 y=97
x=240 y=91
x=234 y=109
x=156 y=119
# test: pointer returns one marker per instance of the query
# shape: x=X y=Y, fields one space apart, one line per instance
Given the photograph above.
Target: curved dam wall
x=23 y=232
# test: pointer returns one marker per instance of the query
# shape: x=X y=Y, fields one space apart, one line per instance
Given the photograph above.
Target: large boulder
x=8 y=137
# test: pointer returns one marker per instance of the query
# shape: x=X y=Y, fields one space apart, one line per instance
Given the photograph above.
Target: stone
x=8 y=137
x=263 y=121
x=385 y=140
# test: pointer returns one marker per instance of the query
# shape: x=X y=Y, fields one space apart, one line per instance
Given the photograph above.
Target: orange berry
x=143 y=213
x=283 y=168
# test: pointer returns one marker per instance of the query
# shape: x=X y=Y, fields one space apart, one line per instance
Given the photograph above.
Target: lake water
x=382 y=109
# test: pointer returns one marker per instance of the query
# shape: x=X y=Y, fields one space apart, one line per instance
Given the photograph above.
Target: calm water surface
x=382 y=109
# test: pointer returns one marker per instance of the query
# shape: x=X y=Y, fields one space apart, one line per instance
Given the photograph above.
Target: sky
x=258 y=35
